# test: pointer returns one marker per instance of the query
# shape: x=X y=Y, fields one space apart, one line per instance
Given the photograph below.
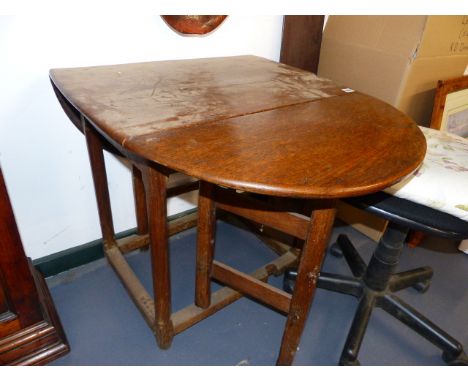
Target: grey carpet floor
x=103 y=326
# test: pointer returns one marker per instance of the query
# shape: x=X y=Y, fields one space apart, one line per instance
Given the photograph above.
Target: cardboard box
x=398 y=59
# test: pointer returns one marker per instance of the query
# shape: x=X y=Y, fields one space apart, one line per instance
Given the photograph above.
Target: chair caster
x=460 y=360
x=336 y=251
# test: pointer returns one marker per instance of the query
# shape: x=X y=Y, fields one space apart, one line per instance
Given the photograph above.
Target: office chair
x=375 y=283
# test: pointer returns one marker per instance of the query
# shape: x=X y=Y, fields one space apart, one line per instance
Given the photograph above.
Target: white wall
x=43 y=156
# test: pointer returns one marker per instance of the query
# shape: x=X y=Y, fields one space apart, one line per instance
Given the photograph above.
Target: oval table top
x=248 y=123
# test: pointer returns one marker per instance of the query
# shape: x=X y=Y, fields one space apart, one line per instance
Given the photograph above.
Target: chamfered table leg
x=155 y=186
x=98 y=170
x=205 y=244
x=313 y=253
x=140 y=201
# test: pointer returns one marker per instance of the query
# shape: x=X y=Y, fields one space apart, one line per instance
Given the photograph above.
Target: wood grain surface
x=248 y=123
x=335 y=147
x=131 y=100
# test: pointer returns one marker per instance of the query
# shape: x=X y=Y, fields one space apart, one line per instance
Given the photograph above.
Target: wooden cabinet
x=301 y=41
x=30 y=330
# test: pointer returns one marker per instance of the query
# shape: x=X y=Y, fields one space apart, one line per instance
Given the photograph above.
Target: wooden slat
x=183 y=223
x=182 y=189
x=251 y=286
x=155 y=182
x=308 y=272
x=190 y=315
x=205 y=244
x=101 y=188
x=276 y=246
x=132 y=242
x=260 y=213
x=135 y=289
x=140 y=201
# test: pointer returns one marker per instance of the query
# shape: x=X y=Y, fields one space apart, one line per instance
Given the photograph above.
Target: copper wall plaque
x=193 y=25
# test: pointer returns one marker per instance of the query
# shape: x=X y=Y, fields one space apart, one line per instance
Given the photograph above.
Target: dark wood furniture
x=30 y=330
x=237 y=124
x=301 y=41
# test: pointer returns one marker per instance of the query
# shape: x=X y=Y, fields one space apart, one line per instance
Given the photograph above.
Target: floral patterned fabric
x=441 y=182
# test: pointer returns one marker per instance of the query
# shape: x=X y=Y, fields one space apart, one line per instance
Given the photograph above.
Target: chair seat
x=441 y=182
x=413 y=215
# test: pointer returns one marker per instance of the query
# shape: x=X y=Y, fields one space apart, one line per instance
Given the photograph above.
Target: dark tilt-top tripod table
x=244 y=126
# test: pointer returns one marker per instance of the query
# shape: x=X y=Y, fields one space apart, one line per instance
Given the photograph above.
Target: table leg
x=98 y=169
x=313 y=253
x=155 y=186
x=140 y=201
x=205 y=244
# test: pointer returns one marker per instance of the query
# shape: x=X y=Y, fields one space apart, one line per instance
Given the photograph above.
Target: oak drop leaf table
x=243 y=126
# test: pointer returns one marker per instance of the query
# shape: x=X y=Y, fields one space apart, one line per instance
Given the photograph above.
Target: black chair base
x=373 y=285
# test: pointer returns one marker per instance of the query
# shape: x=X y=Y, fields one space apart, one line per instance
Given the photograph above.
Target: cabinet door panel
x=30 y=330
x=19 y=295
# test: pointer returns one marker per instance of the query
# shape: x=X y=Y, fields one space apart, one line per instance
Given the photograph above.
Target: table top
x=248 y=123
